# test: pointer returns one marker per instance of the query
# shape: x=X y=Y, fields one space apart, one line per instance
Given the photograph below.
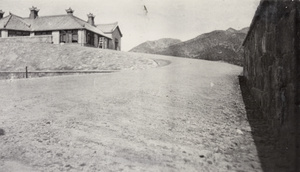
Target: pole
x=26 y=74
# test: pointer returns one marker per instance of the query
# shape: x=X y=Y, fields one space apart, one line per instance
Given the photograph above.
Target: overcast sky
x=181 y=19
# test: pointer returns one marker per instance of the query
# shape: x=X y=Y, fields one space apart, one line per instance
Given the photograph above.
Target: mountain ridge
x=224 y=45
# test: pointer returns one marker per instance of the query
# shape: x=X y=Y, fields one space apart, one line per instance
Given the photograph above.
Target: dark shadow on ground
x=262 y=134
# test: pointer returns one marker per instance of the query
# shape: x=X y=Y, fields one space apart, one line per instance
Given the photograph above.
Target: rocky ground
x=186 y=116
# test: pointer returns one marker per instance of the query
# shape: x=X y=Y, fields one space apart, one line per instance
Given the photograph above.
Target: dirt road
x=186 y=116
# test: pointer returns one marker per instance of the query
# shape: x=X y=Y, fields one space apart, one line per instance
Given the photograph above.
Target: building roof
x=91 y=27
x=109 y=28
x=47 y=23
x=14 y=22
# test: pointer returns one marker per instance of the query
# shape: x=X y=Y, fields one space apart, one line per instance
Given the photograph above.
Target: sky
x=180 y=19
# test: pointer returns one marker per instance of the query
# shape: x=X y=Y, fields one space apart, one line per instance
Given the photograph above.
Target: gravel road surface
x=186 y=116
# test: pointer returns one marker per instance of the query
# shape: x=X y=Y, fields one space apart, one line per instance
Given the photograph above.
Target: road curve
x=186 y=116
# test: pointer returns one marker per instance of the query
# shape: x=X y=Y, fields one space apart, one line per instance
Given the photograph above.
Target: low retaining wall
x=35 y=74
x=29 y=39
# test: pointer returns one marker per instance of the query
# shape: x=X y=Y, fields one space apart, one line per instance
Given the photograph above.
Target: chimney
x=1 y=14
x=91 y=19
x=70 y=11
x=33 y=12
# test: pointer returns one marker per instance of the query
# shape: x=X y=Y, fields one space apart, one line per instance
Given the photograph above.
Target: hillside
x=218 y=45
x=43 y=57
x=244 y=30
x=155 y=47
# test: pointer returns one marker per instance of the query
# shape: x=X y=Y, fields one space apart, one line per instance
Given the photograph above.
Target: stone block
x=285 y=33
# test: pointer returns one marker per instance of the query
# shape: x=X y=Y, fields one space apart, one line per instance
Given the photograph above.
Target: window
x=17 y=33
x=101 y=42
x=69 y=36
x=62 y=36
x=74 y=36
x=43 y=33
x=90 y=38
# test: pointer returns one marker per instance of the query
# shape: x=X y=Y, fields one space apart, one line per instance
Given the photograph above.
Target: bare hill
x=15 y=56
x=218 y=45
x=244 y=30
x=155 y=47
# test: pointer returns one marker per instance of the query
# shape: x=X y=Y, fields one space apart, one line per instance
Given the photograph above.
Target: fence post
x=26 y=74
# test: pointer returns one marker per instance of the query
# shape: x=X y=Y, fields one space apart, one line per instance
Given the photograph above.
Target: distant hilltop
x=155 y=47
x=218 y=45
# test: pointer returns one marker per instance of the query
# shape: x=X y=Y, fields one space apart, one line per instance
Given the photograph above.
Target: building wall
x=4 y=33
x=55 y=36
x=115 y=35
x=106 y=43
x=82 y=37
x=271 y=66
x=110 y=44
x=35 y=39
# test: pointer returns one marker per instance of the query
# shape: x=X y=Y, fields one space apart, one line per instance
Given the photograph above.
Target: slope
x=38 y=56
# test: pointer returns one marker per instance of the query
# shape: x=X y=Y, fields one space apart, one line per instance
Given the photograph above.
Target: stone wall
x=271 y=67
x=30 y=39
